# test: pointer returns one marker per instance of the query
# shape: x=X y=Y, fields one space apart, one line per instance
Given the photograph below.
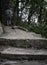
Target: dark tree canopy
x=31 y=6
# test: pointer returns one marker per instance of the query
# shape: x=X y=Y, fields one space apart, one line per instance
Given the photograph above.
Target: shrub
x=39 y=28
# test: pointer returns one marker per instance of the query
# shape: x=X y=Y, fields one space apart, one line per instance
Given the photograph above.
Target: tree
x=31 y=6
x=3 y=6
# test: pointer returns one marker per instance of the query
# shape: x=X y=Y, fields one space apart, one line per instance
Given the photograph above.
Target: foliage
x=39 y=28
x=31 y=6
x=43 y=30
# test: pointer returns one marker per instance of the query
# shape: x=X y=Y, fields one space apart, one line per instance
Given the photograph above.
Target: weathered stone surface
x=20 y=38
x=23 y=54
x=27 y=43
x=25 y=62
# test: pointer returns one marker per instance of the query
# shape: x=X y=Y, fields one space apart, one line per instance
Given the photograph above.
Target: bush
x=39 y=28
x=33 y=27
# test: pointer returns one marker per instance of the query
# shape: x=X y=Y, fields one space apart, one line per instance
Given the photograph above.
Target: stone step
x=25 y=43
x=20 y=38
x=13 y=53
x=23 y=62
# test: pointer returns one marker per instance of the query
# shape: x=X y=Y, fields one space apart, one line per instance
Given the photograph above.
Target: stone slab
x=26 y=54
x=25 y=62
x=21 y=51
x=19 y=34
x=19 y=38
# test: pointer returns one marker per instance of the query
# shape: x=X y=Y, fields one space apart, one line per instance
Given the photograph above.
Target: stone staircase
x=13 y=53
x=22 y=45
